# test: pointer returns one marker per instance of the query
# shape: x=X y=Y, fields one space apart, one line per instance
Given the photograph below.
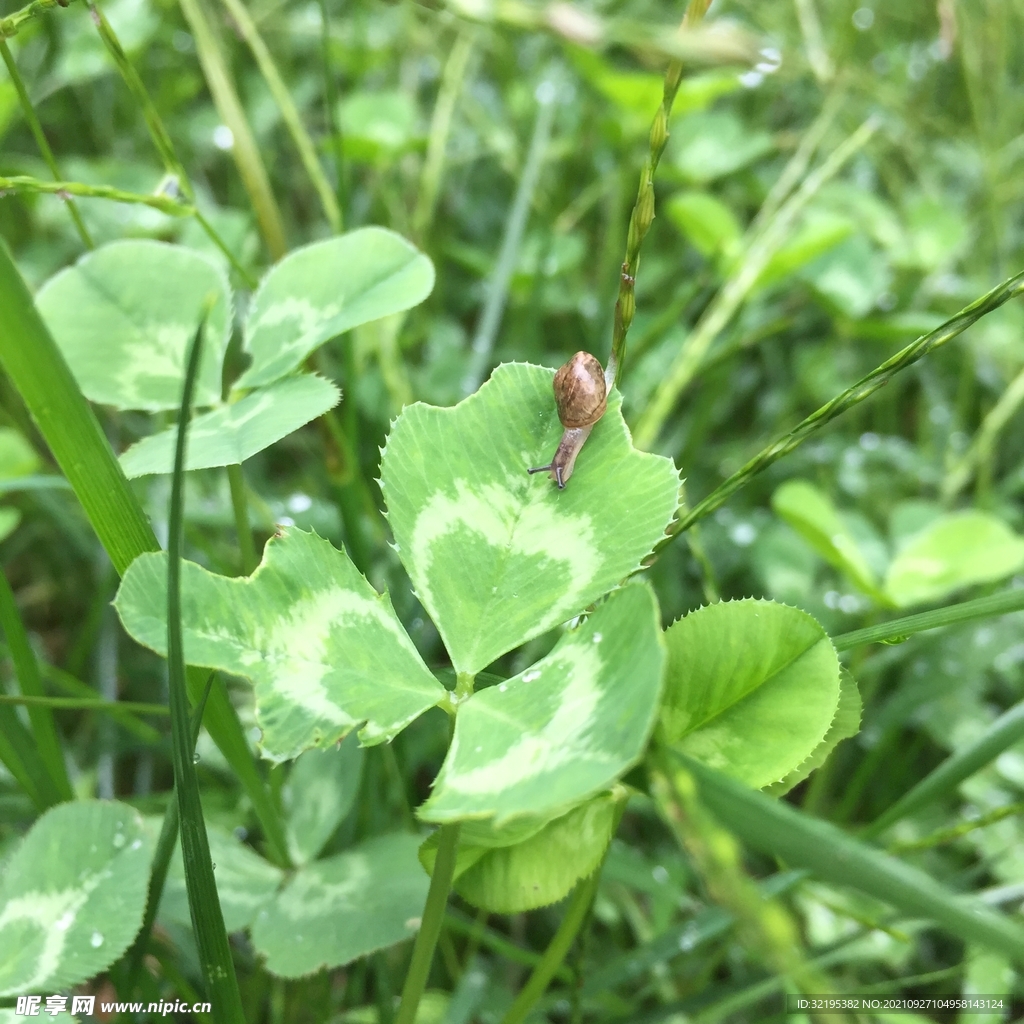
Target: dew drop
x=195 y=757
x=96 y=941
x=135 y=845
x=597 y=638
x=63 y=923
x=502 y=687
x=118 y=840
x=528 y=677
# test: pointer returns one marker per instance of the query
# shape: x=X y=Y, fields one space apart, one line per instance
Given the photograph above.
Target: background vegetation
x=838 y=180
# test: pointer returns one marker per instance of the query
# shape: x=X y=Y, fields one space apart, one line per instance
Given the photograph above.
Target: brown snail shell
x=581 y=397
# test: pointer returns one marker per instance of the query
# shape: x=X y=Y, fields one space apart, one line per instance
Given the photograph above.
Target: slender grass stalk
x=83 y=704
x=24 y=183
x=899 y=629
x=864 y=388
x=430 y=926
x=741 y=282
x=246 y=547
x=161 y=861
x=159 y=134
x=289 y=112
x=942 y=781
x=37 y=132
x=814 y=41
x=642 y=217
x=245 y=151
x=35 y=366
x=556 y=952
x=950 y=835
x=20 y=757
x=763 y=926
x=984 y=440
x=330 y=103
x=776 y=828
x=477 y=932
x=27 y=669
x=10 y=25
x=204 y=904
x=515 y=224
x=440 y=128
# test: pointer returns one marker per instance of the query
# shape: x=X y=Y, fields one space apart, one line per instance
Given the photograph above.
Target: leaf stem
x=430 y=927
x=864 y=388
x=289 y=112
x=37 y=131
x=898 y=629
x=24 y=183
x=246 y=546
x=555 y=954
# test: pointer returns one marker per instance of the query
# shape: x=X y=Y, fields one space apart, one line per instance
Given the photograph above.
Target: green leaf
x=711 y=144
x=245 y=881
x=820 y=231
x=541 y=869
x=72 y=895
x=325 y=651
x=751 y=688
x=344 y=907
x=811 y=513
x=497 y=556
x=124 y=315
x=706 y=221
x=563 y=730
x=229 y=435
x=377 y=124
x=9 y=519
x=845 y=724
x=322 y=290
x=954 y=551
x=779 y=830
x=320 y=791
x=851 y=277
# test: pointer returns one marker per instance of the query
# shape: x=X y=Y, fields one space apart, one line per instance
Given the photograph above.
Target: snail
x=581 y=398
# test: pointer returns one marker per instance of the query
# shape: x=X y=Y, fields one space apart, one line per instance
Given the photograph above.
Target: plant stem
x=158 y=132
x=741 y=282
x=83 y=704
x=440 y=129
x=899 y=629
x=642 y=217
x=430 y=927
x=24 y=183
x=330 y=102
x=555 y=954
x=289 y=112
x=864 y=388
x=246 y=547
x=10 y=25
x=244 y=150
x=497 y=288
x=37 y=131
x=1006 y=730
x=44 y=731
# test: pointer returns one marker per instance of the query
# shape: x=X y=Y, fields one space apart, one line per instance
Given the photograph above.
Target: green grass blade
x=204 y=905
x=965 y=611
x=26 y=668
x=161 y=863
x=999 y=736
x=20 y=757
x=776 y=828
x=34 y=364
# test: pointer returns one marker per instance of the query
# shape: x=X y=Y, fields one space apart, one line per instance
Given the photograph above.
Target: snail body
x=581 y=397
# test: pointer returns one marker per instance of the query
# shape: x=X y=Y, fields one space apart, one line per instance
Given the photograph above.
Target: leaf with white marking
x=230 y=434
x=751 y=689
x=322 y=290
x=72 y=895
x=565 y=729
x=497 y=556
x=245 y=881
x=538 y=870
x=124 y=315
x=325 y=651
x=341 y=908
